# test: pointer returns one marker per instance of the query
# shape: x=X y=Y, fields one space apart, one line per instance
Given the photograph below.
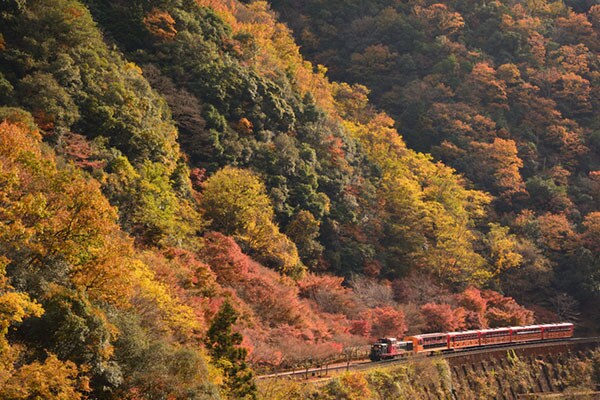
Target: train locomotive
x=389 y=348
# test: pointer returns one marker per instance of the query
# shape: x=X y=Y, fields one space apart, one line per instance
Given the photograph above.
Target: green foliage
x=235 y=203
x=62 y=250
x=153 y=366
x=224 y=348
x=63 y=73
x=502 y=93
x=299 y=171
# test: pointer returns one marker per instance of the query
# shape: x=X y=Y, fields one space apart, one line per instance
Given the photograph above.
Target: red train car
x=557 y=331
x=495 y=336
x=428 y=342
x=526 y=333
x=458 y=340
x=435 y=342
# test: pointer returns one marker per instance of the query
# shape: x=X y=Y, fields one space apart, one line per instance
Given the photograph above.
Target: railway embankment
x=562 y=370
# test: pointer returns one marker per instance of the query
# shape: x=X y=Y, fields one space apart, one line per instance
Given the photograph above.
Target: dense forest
x=504 y=92
x=185 y=199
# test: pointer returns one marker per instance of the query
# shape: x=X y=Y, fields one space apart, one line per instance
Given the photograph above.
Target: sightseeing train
x=388 y=348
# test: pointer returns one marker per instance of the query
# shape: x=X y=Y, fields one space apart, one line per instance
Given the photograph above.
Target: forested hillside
x=184 y=198
x=504 y=92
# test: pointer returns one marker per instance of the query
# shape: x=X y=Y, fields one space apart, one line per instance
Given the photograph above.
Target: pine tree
x=224 y=348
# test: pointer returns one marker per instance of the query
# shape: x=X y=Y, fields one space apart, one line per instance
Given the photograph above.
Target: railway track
x=325 y=371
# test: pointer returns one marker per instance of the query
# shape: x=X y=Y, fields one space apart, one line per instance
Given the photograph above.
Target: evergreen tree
x=224 y=347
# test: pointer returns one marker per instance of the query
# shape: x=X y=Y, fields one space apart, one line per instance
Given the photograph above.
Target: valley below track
x=460 y=358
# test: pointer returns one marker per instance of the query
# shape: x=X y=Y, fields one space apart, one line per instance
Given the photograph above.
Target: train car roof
x=428 y=335
x=527 y=327
x=463 y=332
x=507 y=329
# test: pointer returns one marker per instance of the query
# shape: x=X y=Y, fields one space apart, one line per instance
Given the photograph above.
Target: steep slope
x=505 y=92
x=175 y=175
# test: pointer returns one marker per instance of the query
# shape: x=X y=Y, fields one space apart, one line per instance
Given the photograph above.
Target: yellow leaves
x=132 y=67
x=503 y=248
x=51 y=380
x=275 y=52
x=355 y=386
x=236 y=203
x=352 y=102
x=14 y=307
x=48 y=211
x=107 y=274
x=153 y=300
x=59 y=215
x=430 y=210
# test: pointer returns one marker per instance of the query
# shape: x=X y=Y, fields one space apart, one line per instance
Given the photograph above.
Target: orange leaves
x=442 y=21
x=574 y=28
x=574 y=58
x=574 y=94
x=556 y=232
x=591 y=235
x=498 y=161
x=487 y=87
x=62 y=212
x=336 y=151
x=161 y=24
x=475 y=309
x=375 y=60
x=327 y=292
x=14 y=139
x=57 y=216
x=244 y=126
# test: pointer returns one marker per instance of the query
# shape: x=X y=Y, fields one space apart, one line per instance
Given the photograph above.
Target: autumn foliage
x=184 y=196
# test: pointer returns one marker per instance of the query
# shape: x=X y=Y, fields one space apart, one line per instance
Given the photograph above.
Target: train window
x=527 y=331
x=559 y=329
x=495 y=334
x=466 y=337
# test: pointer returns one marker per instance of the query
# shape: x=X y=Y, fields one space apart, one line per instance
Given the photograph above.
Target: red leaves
x=442 y=318
x=225 y=257
x=504 y=311
x=386 y=321
x=475 y=309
